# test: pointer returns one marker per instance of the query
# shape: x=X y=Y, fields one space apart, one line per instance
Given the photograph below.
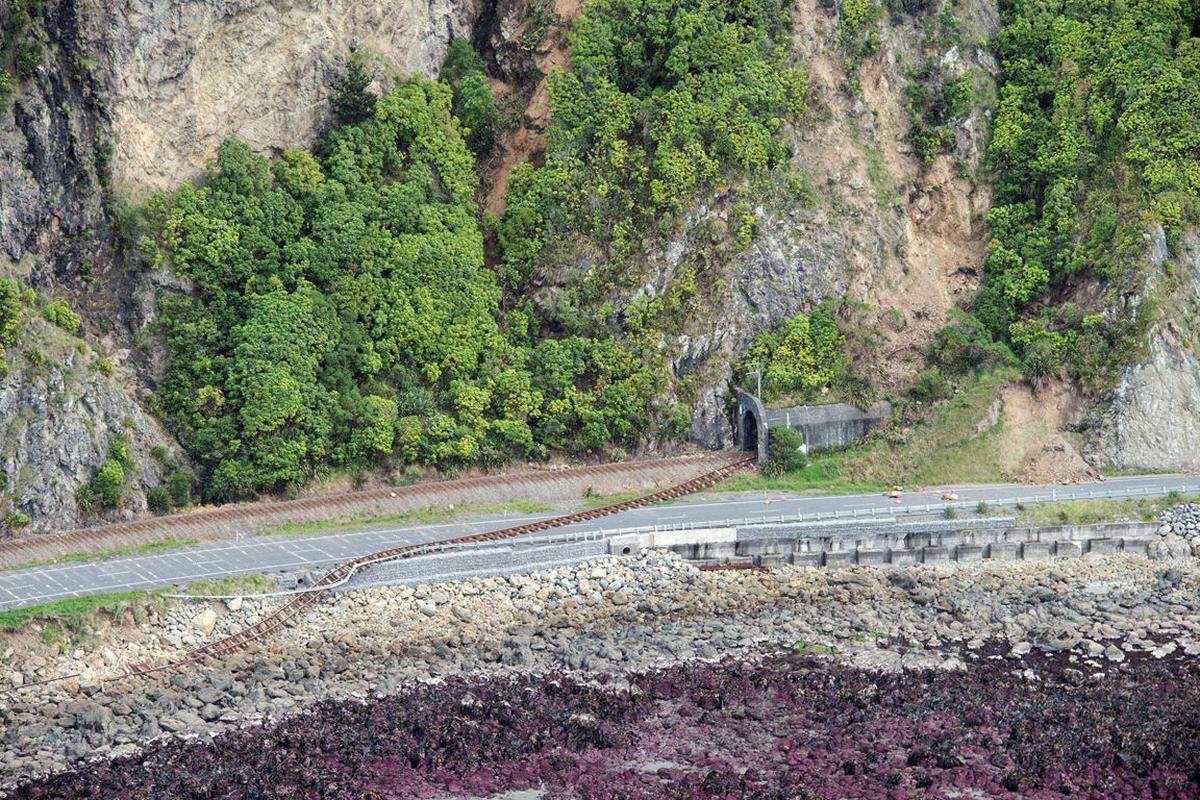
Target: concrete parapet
x=968 y=552
x=1068 y=549
x=1103 y=547
x=1019 y=535
x=1137 y=547
x=1035 y=551
x=1002 y=551
x=952 y=539
x=888 y=542
x=936 y=525
x=815 y=528
x=839 y=558
x=632 y=543
x=935 y=555
x=872 y=557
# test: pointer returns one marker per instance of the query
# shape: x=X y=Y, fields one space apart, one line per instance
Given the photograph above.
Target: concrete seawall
x=930 y=542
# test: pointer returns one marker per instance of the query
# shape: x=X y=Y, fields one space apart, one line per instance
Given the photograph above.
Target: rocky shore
x=1092 y=616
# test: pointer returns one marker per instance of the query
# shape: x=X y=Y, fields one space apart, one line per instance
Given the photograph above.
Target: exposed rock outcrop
x=187 y=75
x=61 y=410
x=1153 y=418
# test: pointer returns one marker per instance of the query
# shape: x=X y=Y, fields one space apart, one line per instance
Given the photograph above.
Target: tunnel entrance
x=749 y=431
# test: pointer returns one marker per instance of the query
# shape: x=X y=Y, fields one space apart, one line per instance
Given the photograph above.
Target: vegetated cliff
x=897 y=235
x=878 y=202
x=113 y=100
x=855 y=212
x=187 y=75
x=63 y=411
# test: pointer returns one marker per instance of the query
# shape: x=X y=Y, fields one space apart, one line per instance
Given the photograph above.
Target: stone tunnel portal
x=749 y=430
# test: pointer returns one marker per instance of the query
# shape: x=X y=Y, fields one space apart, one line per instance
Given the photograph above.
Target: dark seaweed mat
x=788 y=727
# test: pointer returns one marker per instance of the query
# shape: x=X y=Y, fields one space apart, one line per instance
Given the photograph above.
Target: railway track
x=226 y=522
x=297 y=607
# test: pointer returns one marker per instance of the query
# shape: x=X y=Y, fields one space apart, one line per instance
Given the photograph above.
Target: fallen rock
x=205 y=622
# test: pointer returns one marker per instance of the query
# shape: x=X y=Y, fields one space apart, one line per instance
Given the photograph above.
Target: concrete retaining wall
x=816 y=544
x=833 y=425
x=823 y=427
x=916 y=543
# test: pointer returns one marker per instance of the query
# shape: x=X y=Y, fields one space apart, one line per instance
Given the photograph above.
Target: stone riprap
x=1179 y=530
x=606 y=616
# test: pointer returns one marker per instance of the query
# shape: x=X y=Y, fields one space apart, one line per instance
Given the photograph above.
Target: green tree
x=353 y=100
x=785 y=452
x=58 y=312
x=477 y=111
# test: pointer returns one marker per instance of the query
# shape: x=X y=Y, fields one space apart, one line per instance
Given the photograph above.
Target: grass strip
x=432 y=514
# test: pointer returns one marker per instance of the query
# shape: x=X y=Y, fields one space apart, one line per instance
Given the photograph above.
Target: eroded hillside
x=621 y=269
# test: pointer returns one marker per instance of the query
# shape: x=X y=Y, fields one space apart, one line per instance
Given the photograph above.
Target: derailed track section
x=302 y=603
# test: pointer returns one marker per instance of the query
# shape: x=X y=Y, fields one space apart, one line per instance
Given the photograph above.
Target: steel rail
x=296 y=608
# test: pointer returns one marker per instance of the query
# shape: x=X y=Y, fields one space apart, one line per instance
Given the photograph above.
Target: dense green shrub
x=10 y=312
x=158 y=500
x=353 y=100
x=473 y=103
x=931 y=385
x=800 y=358
x=105 y=490
x=935 y=103
x=29 y=56
x=343 y=315
x=964 y=344
x=857 y=31
x=662 y=99
x=461 y=60
x=16 y=520
x=58 y=312
x=1096 y=135
x=785 y=452
x=477 y=111
x=179 y=487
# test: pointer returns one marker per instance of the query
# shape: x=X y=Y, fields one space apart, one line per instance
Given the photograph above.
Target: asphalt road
x=268 y=554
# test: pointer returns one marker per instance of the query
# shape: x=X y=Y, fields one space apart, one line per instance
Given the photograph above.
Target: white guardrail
x=435 y=548
x=1054 y=496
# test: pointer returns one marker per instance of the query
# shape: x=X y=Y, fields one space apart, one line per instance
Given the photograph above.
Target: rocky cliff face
x=1153 y=418
x=61 y=410
x=136 y=95
x=184 y=76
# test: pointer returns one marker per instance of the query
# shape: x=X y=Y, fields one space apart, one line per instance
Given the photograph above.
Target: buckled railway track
x=301 y=604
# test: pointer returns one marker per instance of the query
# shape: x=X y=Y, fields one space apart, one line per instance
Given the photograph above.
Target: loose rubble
x=610 y=616
x=1179 y=530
